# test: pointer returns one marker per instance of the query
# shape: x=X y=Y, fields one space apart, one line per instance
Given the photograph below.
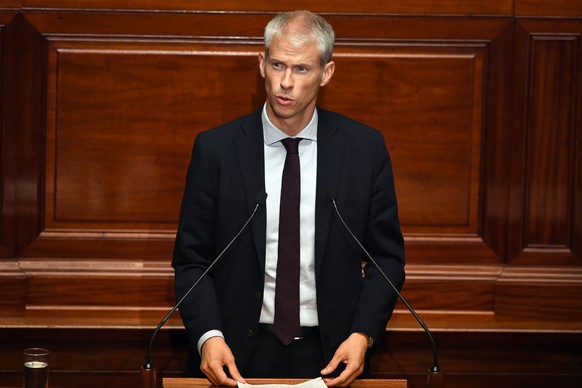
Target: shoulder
x=230 y=130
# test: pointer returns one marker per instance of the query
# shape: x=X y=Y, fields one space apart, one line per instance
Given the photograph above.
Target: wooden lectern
x=203 y=383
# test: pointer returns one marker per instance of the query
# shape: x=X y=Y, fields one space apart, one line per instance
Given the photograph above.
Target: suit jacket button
x=250 y=333
x=259 y=296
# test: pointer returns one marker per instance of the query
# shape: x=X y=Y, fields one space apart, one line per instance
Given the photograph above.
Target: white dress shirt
x=275 y=154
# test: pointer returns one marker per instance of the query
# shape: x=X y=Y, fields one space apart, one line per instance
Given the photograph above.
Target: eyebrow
x=301 y=64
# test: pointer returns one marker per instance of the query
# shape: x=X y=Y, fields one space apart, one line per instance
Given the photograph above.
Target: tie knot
x=291 y=145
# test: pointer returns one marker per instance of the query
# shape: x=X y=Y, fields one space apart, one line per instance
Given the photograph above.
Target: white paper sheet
x=315 y=383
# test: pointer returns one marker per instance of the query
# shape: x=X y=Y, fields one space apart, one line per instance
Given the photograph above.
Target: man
x=235 y=316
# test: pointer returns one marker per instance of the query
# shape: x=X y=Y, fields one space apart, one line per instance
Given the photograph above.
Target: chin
x=283 y=113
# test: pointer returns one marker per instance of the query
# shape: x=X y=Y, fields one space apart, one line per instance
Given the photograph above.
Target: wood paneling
x=97 y=137
x=548 y=8
x=551 y=149
x=7 y=4
x=407 y=7
x=480 y=359
x=484 y=359
x=555 y=293
x=479 y=103
x=5 y=176
x=8 y=111
x=547 y=160
x=437 y=153
x=12 y=288
x=119 y=141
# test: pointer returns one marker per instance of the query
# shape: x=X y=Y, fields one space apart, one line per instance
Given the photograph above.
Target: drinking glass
x=35 y=368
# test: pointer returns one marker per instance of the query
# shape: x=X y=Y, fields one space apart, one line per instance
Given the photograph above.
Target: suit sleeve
x=383 y=240
x=194 y=249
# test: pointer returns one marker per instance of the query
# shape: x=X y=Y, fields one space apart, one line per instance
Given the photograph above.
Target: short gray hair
x=314 y=28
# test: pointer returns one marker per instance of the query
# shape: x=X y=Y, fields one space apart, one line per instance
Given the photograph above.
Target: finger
x=212 y=374
x=234 y=373
x=348 y=375
x=218 y=377
x=216 y=373
x=333 y=364
x=343 y=380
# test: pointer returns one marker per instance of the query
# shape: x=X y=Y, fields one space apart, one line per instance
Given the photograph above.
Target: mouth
x=284 y=100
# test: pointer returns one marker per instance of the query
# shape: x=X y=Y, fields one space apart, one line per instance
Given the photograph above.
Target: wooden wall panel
x=68 y=285
x=121 y=125
x=548 y=8
x=507 y=360
x=119 y=140
x=410 y=6
x=12 y=289
x=5 y=177
x=29 y=129
x=551 y=144
x=8 y=124
x=540 y=294
x=97 y=137
x=437 y=153
x=549 y=200
x=482 y=360
x=480 y=105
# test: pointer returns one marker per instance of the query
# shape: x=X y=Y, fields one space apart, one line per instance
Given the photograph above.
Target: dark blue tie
x=287 y=282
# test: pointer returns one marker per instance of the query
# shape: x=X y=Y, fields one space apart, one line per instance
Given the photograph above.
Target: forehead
x=285 y=49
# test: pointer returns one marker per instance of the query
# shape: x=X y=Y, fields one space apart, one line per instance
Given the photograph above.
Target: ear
x=327 y=73
x=262 y=64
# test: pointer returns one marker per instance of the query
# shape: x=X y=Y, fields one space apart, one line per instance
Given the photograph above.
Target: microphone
x=434 y=376
x=148 y=371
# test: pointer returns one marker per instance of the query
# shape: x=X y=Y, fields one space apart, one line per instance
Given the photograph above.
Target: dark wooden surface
x=112 y=357
x=173 y=382
x=480 y=105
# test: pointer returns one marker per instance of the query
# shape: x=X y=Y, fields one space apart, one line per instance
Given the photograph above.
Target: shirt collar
x=272 y=134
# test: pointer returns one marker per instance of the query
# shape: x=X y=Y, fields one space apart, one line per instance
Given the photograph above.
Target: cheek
x=310 y=90
x=270 y=81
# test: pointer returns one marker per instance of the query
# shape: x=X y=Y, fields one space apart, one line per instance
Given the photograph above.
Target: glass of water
x=36 y=368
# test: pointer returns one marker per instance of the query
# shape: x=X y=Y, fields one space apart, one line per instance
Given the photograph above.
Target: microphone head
x=331 y=195
x=261 y=198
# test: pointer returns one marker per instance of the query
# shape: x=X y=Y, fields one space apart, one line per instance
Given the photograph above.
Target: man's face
x=293 y=76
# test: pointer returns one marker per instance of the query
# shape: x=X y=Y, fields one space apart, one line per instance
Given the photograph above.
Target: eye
x=277 y=65
x=301 y=69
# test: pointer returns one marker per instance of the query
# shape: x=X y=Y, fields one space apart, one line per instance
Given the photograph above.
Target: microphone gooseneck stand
x=148 y=371
x=434 y=374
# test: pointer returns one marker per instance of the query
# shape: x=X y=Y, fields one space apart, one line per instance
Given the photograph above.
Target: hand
x=351 y=352
x=216 y=355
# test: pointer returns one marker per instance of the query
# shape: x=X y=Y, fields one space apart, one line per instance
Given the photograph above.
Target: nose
x=287 y=79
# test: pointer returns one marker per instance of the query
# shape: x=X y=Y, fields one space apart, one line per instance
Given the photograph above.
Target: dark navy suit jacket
x=225 y=174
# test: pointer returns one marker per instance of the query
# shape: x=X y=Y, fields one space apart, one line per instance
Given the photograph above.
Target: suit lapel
x=250 y=156
x=330 y=155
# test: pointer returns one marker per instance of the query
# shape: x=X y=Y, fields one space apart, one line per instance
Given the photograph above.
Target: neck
x=290 y=126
